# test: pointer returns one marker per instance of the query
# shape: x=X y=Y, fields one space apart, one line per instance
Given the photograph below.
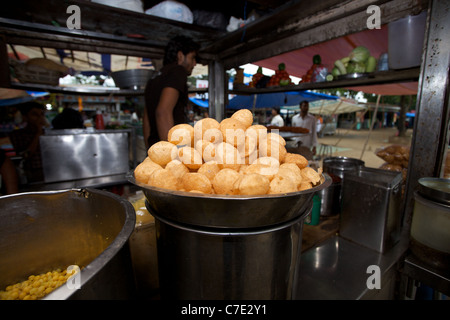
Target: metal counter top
x=336 y=269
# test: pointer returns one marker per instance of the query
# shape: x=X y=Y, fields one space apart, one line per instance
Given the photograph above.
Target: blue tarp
x=277 y=99
x=200 y=102
x=22 y=99
x=269 y=100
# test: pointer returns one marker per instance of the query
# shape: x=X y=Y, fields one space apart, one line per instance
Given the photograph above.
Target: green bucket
x=314 y=217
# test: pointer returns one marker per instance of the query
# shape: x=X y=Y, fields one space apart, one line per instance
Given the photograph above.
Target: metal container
x=371 y=203
x=228 y=247
x=330 y=200
x=43 y=231
x=206 y=263
x=74 y=154
x=336 y=167
x=135 y=79
x=430 y=226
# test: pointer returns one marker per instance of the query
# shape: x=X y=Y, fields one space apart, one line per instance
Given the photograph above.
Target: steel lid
x=436 y=189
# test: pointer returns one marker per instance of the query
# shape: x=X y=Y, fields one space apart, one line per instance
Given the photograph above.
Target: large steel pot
x=43 y=231
x=229 y=247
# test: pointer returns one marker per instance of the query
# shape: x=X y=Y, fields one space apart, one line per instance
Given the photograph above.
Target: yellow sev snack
x=37 y=286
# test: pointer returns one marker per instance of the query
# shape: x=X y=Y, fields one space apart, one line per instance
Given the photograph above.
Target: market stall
x=328 y=270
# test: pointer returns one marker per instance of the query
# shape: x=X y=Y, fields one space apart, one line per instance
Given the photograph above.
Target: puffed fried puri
x=223 y=182
x=206 y=149
x=209 y=169
x=272 y=148
x=196 y=182
x=145 y=169
x=292 y=171
x=252 y=184
x=190 y=157
x=181 y=134
x=298 y=159
x=208 y=129
x=282 y=184
x=163 y=178
x=161 y=152
x=245 y=116
x=311 y=175
x=257 y=131
x=227 y=156
x=177 y=168
x=233 y=131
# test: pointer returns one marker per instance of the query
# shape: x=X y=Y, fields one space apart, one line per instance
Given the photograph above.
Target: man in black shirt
x=166 y=95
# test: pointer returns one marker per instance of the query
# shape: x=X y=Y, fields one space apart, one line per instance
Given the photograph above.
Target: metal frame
x=429 y=141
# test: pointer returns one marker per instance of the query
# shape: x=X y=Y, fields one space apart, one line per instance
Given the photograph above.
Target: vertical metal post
x=431 y=123
x=216 y=90
x=5 y=81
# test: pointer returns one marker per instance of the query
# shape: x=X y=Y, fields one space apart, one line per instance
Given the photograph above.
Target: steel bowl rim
x=326 y=182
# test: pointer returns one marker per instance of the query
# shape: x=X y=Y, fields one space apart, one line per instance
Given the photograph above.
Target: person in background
x=68 y=119
x=26 y=140
x=306 y=120
x=8 y=175
x=277 y=119
x=166 y=95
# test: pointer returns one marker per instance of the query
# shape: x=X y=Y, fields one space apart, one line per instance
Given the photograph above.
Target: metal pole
x=371 y=126
x=429 y=141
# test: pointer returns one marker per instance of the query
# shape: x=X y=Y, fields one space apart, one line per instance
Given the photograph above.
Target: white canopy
x=330 y=107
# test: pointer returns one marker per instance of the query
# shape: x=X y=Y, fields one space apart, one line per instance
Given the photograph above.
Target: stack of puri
x=231 y=157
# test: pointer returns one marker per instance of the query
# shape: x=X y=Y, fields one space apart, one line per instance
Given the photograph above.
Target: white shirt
x=309 y=122
x=277 y=121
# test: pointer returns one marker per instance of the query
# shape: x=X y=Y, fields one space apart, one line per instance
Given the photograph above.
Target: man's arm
x=164 y=111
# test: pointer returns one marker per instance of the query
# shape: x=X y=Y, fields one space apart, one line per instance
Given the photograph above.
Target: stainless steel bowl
x=132 y=79
x=44 y=231
x=220 y=211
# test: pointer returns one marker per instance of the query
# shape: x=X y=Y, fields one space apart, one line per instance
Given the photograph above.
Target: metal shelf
x=381 y=77
x=88 y=90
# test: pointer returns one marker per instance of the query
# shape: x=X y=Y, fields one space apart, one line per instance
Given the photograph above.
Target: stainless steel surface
x=336 y=167
x=416 y=269
x=340 y=165
x=135 y=79
x=330 y=200
x=217 y=90
x=371 y=201
x=72 y=156
x=205 y=263
x=435 y=189
x=288 y=135
x=43 y=231
x=430 y=133
x=354 y=75
x=220 y=211
x=337 y=269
